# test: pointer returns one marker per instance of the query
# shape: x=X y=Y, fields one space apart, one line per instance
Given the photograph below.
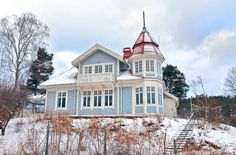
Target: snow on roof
x=171 y=95
x=127 y=76
x=39 y=98
x=67 y=77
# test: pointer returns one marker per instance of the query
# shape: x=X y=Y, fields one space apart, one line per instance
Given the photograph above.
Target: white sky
x=199 y=37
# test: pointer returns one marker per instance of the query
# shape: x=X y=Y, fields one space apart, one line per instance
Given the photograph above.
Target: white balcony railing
x=98 y=77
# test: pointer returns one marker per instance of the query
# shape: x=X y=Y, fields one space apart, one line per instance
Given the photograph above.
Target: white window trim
x=162 y=98
x=139 y=105
x=97 y=107
x=159 y=70
x=56 y=100
x=88 y=66
x=154 y=71
x=102 y=100
x=155 y=68
x=138 y=73
x=151 y=104
x=82 y=100
x=98 y=68
x=103 y=67
x=112 y=106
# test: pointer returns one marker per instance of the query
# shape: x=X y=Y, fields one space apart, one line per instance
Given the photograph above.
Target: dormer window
x=87 y=69
x=109 y=68
x=138 y=66
x=98 y=69
x=149 y=65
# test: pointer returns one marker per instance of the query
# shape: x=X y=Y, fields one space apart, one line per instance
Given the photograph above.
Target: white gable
x=93 y=49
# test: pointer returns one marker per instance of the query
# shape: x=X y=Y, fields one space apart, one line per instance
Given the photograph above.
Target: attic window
x=98 y=69
x=87 y=69
x=109 y=68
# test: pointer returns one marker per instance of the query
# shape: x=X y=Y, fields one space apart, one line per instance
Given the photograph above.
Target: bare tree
x=197 y=86
x=12 y=100
x=230 y=81
x=20 y=38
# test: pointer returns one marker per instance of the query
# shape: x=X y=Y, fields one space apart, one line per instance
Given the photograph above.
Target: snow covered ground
x=222 y=137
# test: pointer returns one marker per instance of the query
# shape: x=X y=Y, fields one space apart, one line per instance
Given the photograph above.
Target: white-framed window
x=138 y=66
x=87 y=69
x=97 y=98
x=151 y=95
x=160 y=96
x=149 y=65
x=159 y=70
x=108 y=98
x=98 y=68
x=61 y=99
x=86 y=98
x=139 y=95
x=109 y=68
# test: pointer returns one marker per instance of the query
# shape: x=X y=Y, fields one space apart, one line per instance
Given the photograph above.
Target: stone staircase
x=183 y=135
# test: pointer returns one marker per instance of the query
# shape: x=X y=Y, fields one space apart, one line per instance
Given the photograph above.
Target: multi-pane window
x=139 y=95
x=151 y=95
x=86 y=98
x=108 y=97
x=98 y=69
x=160 y=96
x=109 y=68
x=61 y=99
x=138 y=66
x=159 y=68
x=149 y=65
x=97 y=96
x=87 y=69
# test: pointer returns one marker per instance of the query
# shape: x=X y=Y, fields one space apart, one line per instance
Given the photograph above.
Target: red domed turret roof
x=145 y=44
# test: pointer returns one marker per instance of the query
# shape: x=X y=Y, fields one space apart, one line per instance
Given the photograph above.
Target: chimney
x=126 y=53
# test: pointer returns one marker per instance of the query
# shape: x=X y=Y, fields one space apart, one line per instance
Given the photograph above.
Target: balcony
x=95 y=78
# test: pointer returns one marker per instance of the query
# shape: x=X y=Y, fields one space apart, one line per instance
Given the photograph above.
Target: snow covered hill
x=133 y=136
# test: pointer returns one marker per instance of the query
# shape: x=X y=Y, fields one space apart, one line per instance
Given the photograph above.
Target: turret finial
x=144 y=27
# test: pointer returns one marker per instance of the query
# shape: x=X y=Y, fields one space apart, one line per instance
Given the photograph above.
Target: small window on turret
x=138 y=66
x=149 y=65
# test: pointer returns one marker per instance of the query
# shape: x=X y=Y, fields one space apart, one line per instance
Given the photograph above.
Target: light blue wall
x=160 y=109
x=70 y=101
x=139 y=110
x=126 y=100
x=105 y=111
x=151 y=109
x=150 y=74
x=51 y=96
x=99 y=57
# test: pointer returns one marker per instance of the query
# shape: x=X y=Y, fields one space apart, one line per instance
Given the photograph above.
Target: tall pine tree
x=40 y=70
x=175 y=81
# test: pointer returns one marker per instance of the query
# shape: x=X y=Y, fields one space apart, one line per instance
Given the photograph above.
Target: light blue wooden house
x=102 y=82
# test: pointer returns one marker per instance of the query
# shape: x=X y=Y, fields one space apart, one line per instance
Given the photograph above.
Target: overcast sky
x=199 y=37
